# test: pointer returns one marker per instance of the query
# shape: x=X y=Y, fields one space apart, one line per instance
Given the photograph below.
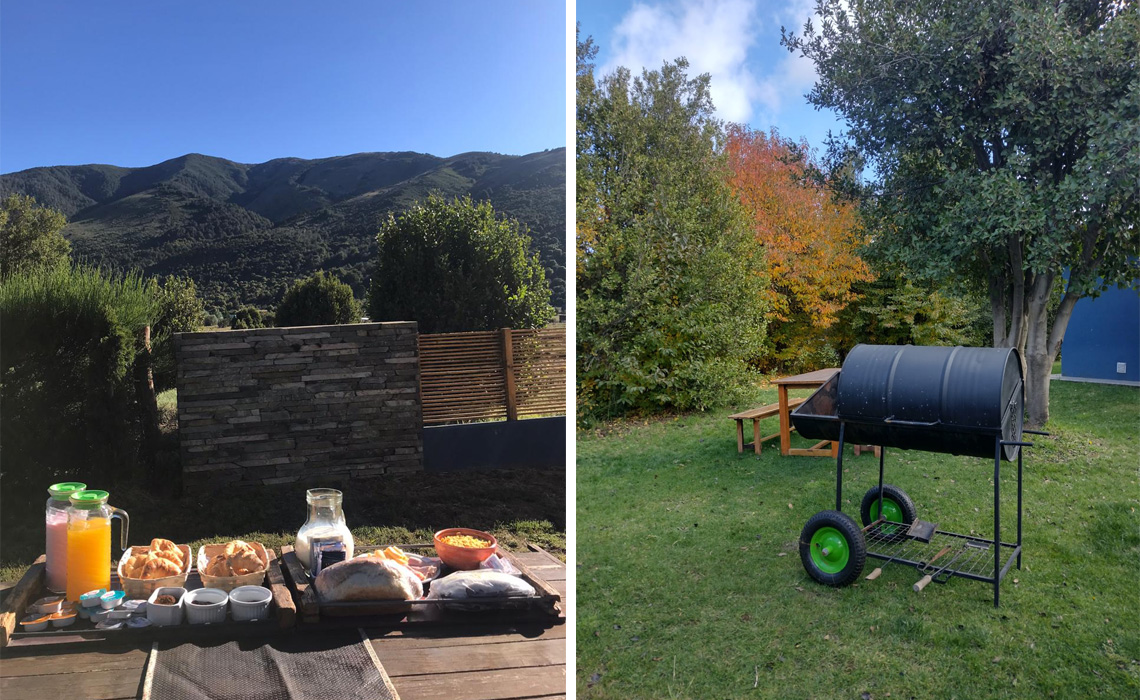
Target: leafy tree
x=70 y=338
x=179 y=310
x=457 y=267
x=30 y=236
x=670 y=278
x=319 y=300
x=1005 y=140
x=894 y=310
x=248 y=317
x=809 y=235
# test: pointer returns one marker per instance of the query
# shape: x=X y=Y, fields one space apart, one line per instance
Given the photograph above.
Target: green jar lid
x=89 y=499
x=63 y=490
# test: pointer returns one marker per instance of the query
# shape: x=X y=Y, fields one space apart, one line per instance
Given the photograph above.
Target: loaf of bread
x=368 y=578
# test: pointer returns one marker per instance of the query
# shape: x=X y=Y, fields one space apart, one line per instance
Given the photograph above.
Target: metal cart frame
x=905 y=550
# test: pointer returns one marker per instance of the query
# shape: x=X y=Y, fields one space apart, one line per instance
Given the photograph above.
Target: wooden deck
x=465 y=662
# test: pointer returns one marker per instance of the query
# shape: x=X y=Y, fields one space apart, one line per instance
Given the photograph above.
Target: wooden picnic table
x=460 y=661
x=810 y=380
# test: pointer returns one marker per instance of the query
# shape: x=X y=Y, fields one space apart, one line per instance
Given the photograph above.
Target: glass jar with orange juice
x=55 y=530
x=89 y=541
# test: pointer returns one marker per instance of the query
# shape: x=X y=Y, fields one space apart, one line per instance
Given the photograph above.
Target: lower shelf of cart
x=970 y=556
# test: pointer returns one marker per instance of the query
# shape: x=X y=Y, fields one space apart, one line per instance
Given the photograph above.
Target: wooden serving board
x=31 y=587
x=546 y=604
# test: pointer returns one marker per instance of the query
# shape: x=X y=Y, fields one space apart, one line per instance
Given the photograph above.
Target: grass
x=690 y=585
x=517 y=506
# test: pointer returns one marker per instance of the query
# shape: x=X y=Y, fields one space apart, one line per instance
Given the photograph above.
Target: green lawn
x=689 y=581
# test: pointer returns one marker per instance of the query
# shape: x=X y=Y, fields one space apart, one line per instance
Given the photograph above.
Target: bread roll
x=368 y=579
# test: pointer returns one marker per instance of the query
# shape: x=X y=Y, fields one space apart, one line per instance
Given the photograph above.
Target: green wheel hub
x=891 y=512
x=830 y=550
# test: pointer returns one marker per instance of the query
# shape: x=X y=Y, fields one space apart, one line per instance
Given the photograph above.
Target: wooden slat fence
x=493 y=375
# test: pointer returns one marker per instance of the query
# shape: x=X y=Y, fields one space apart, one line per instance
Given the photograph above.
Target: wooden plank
x=282 y=597
x=785 y=421
x=509 y=375
x=484 y=685
x=95 y=685
x=120 y=659
x=428 y=637
x=19 y=598
x=400 y=660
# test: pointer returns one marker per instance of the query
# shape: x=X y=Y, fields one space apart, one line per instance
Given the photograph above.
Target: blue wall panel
x=1101 y=333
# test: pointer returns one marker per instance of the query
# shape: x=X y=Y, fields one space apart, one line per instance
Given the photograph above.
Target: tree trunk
x=148 y=410
x=1039 y=351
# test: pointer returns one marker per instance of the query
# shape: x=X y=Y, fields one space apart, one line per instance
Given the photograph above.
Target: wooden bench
x=756 y=415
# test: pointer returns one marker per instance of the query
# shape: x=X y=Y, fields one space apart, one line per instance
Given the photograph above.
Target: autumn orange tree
x=810 y=237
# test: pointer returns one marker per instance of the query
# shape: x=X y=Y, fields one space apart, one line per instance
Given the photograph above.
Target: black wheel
x=897 y=508
x=832 y=548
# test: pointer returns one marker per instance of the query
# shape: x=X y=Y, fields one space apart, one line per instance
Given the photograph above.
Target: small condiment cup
x=36 y=622
x=47 y=606
x=135 y=605
x=110 y=625
x=63 y=619
x=90 y=599
x=99 y=615
x=111 y=599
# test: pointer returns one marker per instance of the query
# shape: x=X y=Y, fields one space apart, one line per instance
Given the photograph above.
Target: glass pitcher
x=55 y=529
x=89 y=541
x=326 y=522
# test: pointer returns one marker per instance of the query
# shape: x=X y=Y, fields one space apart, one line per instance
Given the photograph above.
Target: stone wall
x=276 y=405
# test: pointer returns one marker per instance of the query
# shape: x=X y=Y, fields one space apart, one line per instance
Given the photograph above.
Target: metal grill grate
x=974 y=562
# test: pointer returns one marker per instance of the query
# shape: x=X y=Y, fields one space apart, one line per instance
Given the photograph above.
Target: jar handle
x=122 y=515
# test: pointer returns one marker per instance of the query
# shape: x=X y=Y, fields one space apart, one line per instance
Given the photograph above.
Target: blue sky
x=137 y=83
x=755 y=81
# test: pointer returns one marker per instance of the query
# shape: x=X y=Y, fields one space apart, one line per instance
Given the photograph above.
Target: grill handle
x=923 y=424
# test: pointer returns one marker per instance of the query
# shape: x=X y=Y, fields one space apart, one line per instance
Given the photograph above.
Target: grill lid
x=938 y=399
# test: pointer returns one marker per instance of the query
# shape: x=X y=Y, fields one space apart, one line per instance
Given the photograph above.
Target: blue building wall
x=1101 y=333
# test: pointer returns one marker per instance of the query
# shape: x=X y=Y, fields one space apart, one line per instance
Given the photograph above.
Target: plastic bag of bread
x=368 y=578
x=480 y=583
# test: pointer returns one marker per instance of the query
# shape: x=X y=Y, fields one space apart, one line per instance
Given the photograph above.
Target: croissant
x=218 y=566
x=245 y=563
x=134 y=566
x=160 y=545
x=175 y=557
x=237 y=546
x=159 y=567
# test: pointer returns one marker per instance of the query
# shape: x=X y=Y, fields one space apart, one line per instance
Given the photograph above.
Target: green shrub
x=30 y=236
x=248 y=317
x=456 y=266
x=319 y=300
x=69 y=341
x=670 y=276
x=179 y=311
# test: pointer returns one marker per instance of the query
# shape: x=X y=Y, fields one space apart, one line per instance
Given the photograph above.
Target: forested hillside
x=244 y=232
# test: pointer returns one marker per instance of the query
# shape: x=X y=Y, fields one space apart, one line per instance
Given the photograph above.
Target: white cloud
x=716 y=37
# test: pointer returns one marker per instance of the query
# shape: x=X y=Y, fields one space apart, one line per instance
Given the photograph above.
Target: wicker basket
x=228 y=583
x=143 y=587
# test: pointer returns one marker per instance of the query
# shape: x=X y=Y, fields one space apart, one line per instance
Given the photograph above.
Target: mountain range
x=245 y=232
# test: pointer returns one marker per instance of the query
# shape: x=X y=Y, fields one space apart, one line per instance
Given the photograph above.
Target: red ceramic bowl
x=464 y=558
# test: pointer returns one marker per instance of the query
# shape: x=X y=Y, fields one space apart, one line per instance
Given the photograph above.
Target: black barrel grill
x=936 y=399
x=954 y=400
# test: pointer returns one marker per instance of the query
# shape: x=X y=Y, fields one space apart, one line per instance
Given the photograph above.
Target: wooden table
x=811 y=380
x=460 y=662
